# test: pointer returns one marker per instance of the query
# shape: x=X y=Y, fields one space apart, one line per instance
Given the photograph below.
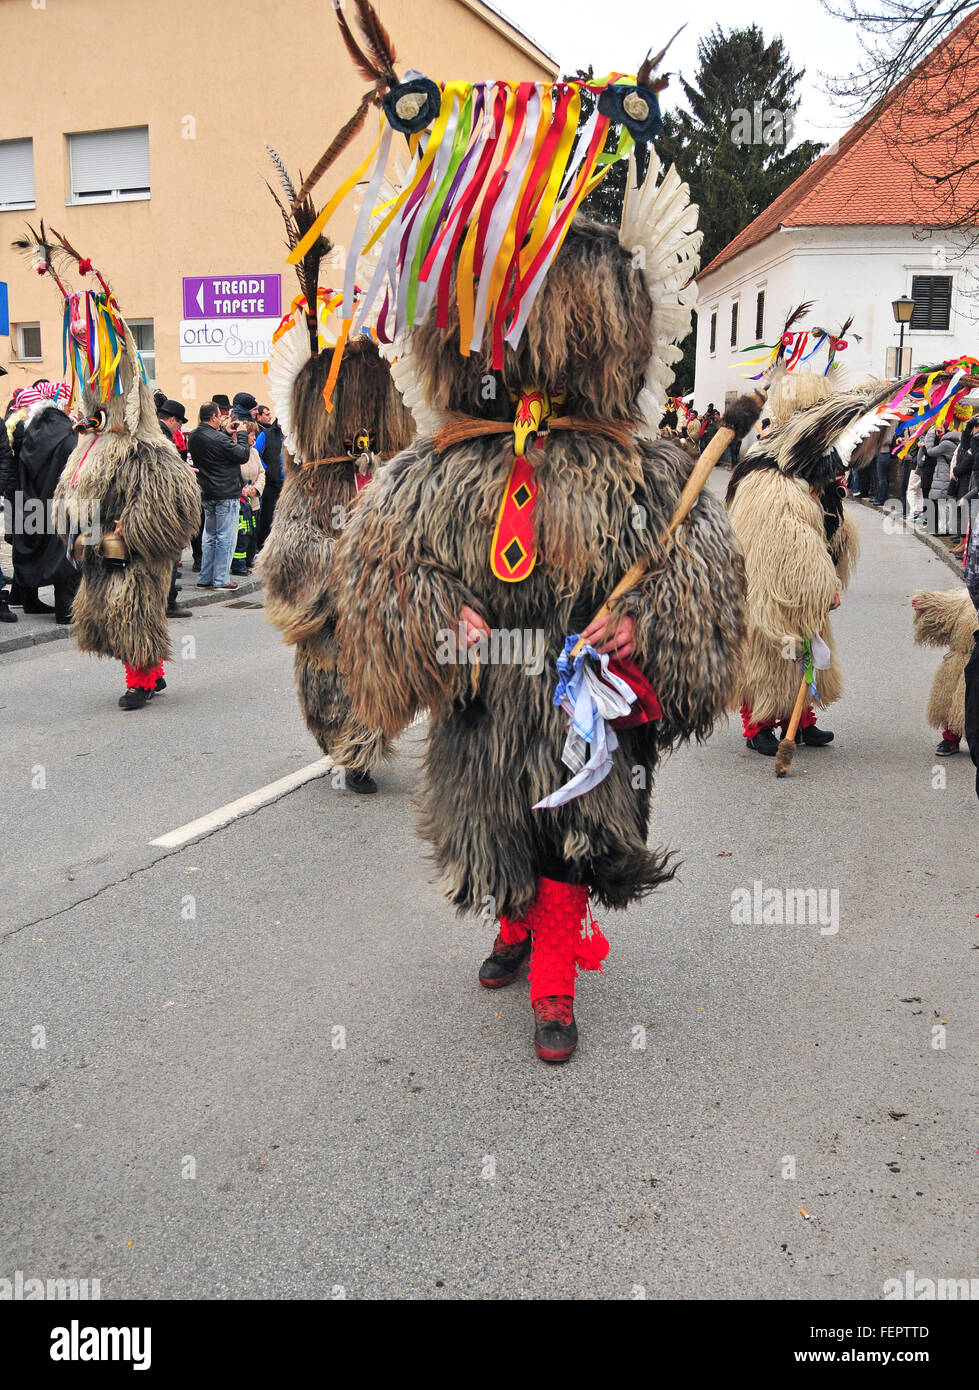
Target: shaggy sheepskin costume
x=129 y=475
x=126 y=499
x=418 y=548
x=946 y=619
x=534 y=351
x=785 y=504
x=329 y=459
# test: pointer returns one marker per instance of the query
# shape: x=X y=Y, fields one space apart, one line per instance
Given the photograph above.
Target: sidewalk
x=34 y=629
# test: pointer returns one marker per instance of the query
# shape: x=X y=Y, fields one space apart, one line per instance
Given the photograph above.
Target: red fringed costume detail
x=142 y=680
x=566 y=937
x=950 y=736
x=513 y=931
x=754 y=726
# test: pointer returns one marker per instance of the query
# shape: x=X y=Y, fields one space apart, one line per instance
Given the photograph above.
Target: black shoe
x=813 y=736
x=62 y=619
x=5 y=614
x=36 y=605
x=946 y=748
x=555 y=1031
x=160 y=686
x=765 y=742
x=361 y=782
x=195 y=567
x=135 y=698
x=239 y=571
x=175 y=611
x=503 y=966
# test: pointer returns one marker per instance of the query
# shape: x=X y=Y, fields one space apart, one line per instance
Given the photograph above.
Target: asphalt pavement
x=259 y=1065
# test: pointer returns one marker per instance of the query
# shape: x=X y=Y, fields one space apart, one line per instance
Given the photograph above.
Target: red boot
x=510 y=949
x=565 y=937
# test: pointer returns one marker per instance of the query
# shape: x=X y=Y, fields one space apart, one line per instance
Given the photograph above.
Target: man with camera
x=217 y=455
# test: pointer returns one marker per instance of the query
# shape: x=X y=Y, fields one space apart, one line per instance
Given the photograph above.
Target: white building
x=859 y=229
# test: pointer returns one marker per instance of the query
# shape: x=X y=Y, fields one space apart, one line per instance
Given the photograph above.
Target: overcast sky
x=615 y=34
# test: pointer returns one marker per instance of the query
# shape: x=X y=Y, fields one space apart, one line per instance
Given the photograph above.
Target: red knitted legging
x=142 y=678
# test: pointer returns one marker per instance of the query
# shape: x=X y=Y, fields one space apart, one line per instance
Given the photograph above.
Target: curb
x=954 y=562
x=197 y=600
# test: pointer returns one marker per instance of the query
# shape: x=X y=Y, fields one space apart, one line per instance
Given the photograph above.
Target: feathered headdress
x=98 y=345
x=498 y=171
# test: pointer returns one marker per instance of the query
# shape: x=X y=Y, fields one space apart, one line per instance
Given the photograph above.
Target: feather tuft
x=336 y=147
x=377 y=41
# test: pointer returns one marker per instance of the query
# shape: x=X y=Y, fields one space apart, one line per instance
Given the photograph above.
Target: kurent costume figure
x=330 y=457
x=785 y=502
x=946 y=619
x=498 y=535
x=128 y=501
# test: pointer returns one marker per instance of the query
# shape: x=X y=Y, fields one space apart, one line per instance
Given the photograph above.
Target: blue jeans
x=220 y=531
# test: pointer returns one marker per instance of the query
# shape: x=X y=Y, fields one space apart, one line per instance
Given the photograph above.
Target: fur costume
x=785 y=505
x=315 y=504
x=124 y=476
x=136 y=478
x=417 y=549
x=330 y=456
x=534 y=349
x=946 y=619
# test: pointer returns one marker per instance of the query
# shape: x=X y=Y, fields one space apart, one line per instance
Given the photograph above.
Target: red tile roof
x=882 y=171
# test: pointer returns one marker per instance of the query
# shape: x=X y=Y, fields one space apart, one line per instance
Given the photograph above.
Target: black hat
x=173 y=408
x=222 y=401
x=244 y=402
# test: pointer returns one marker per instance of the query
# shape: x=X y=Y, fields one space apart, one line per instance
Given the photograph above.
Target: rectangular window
x=16 y=174
x=713 y=332
x=760 y=316
x=27 y=340
x=142 y=330
x=932 y=295
x=734 y=324
x=109 y=166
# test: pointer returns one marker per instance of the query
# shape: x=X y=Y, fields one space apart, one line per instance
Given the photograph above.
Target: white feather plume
x=659 y=230
x=428 y=421
x=289 y=355
x=864 y=425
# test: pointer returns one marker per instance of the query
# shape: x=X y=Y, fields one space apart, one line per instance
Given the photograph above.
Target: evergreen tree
x=731 y=146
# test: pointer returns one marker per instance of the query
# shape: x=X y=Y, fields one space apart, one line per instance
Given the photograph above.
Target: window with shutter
x=16 y=174
x=143 y=337
x=713 y=333
x=734 y=324
x=27 y=337
x=108 y=166
x=932 y=295
x=760 y=315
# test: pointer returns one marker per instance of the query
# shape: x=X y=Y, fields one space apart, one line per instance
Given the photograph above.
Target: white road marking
x=243 y=806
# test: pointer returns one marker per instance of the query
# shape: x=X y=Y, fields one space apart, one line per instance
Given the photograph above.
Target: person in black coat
x=48 y=438
x=269 y=446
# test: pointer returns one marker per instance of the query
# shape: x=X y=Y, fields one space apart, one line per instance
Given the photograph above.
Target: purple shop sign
x=232 y=296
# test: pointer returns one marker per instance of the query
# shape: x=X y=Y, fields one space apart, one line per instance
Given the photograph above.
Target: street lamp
x=903 y=309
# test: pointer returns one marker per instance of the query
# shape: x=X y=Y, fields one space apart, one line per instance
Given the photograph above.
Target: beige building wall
x=213 y=80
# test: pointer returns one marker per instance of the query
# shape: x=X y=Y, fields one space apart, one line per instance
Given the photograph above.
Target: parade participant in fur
x=946 y=619
x=330 y=457
x=785 y=501
x=540 y=481
x=128 y=502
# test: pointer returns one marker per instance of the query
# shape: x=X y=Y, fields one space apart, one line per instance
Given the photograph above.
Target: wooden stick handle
x=797 y=708
x=692 y=489
x=786 y=749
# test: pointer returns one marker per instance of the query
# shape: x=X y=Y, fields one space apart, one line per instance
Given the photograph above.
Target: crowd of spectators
x=235 y=451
